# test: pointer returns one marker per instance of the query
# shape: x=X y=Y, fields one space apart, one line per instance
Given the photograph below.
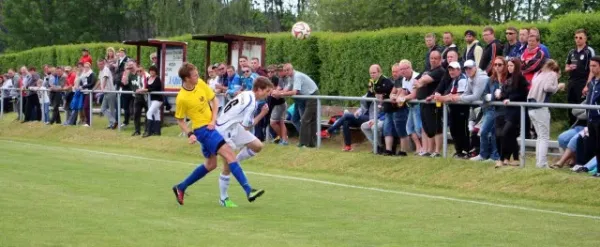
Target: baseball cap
x=469 y=64
x=454 y=65
x=470 y=32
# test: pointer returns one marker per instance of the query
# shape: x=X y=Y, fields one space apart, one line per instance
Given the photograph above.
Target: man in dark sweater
x=593 y=98
x=431 y=46
x=491 y=51
x=448 y=46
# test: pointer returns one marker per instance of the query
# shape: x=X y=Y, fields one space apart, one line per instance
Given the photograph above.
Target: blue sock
x=196 y=175
x=239 y=175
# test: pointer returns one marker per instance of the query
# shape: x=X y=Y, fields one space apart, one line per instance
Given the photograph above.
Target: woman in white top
x=543 y=85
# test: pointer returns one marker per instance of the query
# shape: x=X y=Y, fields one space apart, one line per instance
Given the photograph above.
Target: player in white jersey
x=234 y=124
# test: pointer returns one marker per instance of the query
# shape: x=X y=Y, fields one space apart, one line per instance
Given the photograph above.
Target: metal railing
x=319 y=98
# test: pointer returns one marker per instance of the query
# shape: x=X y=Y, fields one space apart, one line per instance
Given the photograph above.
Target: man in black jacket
x=491 y=51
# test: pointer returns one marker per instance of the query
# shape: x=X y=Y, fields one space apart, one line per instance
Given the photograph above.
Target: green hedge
x=339 y=62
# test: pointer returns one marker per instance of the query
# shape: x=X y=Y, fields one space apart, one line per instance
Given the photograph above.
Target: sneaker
x=254 y=194
x=301 y=146
x=459 y=155
x=597 y=175
x=283 y=143
x=277 y=140
x=575 y=168
x=424 y=154
x=86 y=125
x=477 y=158
x=401 y=154
x=227 y=203
x=123 y=125
x=582 y=169
x=347 y=148
x=179 y=194
x=435 y=155
x=325 y=134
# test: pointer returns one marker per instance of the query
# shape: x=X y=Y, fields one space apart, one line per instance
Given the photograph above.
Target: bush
x=338 y=62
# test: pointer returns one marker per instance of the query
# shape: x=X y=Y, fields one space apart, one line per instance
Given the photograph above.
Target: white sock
x=224 y=186
x=245 y=154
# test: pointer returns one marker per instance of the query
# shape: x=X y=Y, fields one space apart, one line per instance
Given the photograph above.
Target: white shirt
x=212 y=83
x=105 y=73
x=408 y=84
x=240 y=110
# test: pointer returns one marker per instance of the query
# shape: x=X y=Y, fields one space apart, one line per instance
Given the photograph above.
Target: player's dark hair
x=595 y=59
x=262 y=83
x=186 y=70
x=153 y=68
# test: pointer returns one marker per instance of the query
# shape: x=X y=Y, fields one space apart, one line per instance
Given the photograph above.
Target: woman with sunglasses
x=543 y=85
x=514 y=88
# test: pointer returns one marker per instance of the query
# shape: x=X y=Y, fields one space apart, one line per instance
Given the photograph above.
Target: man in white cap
x=459 y=114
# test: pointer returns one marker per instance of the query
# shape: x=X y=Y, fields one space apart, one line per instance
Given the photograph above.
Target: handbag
x=580 y=114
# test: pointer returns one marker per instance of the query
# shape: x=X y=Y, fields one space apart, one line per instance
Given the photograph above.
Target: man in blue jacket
x=593 y=98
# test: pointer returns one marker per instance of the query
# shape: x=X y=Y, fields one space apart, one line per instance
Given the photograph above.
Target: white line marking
x=331 y=183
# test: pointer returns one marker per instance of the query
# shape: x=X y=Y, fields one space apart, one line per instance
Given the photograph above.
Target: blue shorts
x=395 y=123
x=210 y=140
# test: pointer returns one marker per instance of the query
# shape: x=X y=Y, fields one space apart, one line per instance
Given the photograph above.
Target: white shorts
x=236 y=136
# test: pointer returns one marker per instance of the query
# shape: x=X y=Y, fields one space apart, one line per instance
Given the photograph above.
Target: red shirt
x=70 y=80
x=86 y=59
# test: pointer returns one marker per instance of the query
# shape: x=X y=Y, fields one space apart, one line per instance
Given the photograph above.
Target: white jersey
x=240 y=110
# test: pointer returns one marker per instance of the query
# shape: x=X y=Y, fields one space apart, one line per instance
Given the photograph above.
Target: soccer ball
x=301 y=30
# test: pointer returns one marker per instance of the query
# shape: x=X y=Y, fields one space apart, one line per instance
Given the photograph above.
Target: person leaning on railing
x=515 y=89
x=153 y=114
x=593 y=98
x=543 y=85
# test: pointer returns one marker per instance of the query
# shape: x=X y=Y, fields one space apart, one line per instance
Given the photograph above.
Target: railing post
x=318 y=123
x=522 y=144
x=119 y=111
x=375 y=134
x=21 y=117
x=445 y=130
x=1 y=103
x=90 y=106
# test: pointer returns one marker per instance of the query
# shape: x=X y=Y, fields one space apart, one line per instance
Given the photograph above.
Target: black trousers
x=459 y=129
x=127 y=106
x=55 y=100
x=140 y=105
x=506 y=138
x=594 y=131
x=308 y=126
x=32 y=108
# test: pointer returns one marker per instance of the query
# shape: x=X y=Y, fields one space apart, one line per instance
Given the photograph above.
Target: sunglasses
x=510 y=33
x=498 y=64
x=578 y=37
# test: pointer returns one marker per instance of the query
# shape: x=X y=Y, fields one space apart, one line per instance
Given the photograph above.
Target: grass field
x=75 y=186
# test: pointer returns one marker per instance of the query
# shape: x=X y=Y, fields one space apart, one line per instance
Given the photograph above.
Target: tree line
x=29 y=23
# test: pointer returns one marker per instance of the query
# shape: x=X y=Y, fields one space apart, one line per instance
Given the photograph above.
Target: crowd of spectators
x=521 y=70
x=67 y=87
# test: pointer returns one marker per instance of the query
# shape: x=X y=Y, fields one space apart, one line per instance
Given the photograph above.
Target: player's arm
x=263 y=112
x=214 y=104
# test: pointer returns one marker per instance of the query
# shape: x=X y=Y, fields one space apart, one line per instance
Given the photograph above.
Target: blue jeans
x=488 y=147
x=565 y=138
x=46 y=112
x=413 y=124
x=347 y=121
x=299 y=107
x=395 y=123
x=592 y=164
